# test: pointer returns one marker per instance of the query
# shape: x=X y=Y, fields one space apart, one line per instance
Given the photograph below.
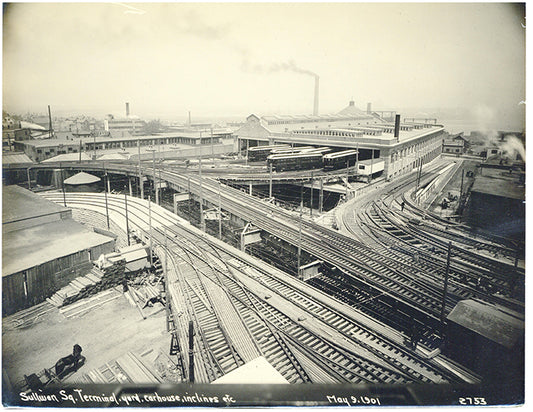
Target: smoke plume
x=513 y=146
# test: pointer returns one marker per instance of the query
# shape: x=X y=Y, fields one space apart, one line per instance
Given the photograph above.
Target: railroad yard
x=236 y=275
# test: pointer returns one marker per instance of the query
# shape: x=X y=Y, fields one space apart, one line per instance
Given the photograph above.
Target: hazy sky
x=237 y=59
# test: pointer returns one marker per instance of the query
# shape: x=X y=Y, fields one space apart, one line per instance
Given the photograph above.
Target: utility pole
x=105 y=194
x=79 y=159
x=321 y=196
x=300 y=231
x=371 y=167
x=311 y=200
x=189 y=190
x=356 y=162
x=347 y=176
x=212 y=147
x=50 y=130
x=94 y=146
x=270 y=182
x=29 y=179
x=445 y=285
x=191 y=352
x=63 y=184
x=202 y=221
x=150 y=224
x=141 y=185
x=127 y=220
x=219 y=212
x=462 y=179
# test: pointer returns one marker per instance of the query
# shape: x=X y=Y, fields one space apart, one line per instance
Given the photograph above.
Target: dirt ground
x=104 y=333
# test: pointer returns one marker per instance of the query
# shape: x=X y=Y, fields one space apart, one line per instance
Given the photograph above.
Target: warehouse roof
x=19 y=203
x=26 y=248
x=68 y=157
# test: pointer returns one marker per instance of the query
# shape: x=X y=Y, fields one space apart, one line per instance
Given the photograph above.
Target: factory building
x=43 y=248
x=39 y=150
x=402 y=145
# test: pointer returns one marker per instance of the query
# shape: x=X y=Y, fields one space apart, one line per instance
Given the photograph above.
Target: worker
x=73 y=361
x=415 y=336
x=403 y=205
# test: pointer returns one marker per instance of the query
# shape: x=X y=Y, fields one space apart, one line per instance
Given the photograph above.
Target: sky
x=235 y=59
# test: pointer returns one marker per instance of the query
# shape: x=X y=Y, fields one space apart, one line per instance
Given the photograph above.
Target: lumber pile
x=27 y=317
x=85 y=305
x=128 y=368
x=95 y=281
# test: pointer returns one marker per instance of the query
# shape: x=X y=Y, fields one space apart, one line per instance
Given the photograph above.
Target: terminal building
x=402 y=145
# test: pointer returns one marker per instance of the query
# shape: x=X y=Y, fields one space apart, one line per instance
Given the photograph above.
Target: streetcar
x=291 y=150
x=340 y=160
x=260 y=153
x=322 y=150
x=295 y=161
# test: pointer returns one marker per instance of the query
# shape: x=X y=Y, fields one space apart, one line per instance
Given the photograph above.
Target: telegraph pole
x=445 y=284
x=300 y=230
x=63 y=185
x=202 y=222
x=311 y=200
x=127 y=220
x=141 y=185
x=105 y=194
x=191 y=352
x=150 y=224
x=219 y=212
x=270 y=182
x=321 y=196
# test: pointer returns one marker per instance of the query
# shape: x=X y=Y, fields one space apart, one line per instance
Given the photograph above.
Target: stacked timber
x=128 y=368
x=95 y=281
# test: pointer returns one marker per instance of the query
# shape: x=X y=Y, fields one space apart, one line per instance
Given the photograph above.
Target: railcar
x=260 y=153
x=322 y=150
x=370 y=167
x=339 y=160
x=296 y=161
x=291 y=150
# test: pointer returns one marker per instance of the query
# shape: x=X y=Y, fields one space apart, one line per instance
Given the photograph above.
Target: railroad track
x=306 y=334
x=473 y=271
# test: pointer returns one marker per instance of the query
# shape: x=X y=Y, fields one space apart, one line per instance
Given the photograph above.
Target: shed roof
x=495 y=323
x=19 y=203
x=15 y=158
x=82 y=178
x=26 y=248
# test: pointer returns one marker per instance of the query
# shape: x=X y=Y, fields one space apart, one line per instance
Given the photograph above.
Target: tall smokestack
x=315 y=107
x=127 y=109
x=397 y=127
x=189 y=117
x=369 y=108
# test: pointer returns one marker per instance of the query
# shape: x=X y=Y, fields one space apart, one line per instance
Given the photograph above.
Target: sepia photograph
x=263 y=204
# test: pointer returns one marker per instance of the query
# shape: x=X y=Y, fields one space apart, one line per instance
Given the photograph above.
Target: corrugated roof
x=497 y=324
x=82 y=178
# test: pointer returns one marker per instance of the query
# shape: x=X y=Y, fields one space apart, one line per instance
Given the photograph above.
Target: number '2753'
x=472 y=401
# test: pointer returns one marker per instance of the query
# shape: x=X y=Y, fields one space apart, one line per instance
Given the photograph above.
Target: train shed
x=43 y=248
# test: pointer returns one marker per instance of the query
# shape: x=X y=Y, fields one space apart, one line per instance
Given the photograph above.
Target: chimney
x=397 y=127
x=127 y=109
x=189 y=117
x=369 y=108
x=315 y=107
x=352 y=103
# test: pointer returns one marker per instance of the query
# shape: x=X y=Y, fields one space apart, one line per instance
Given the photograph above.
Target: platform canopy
x=82 y=178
